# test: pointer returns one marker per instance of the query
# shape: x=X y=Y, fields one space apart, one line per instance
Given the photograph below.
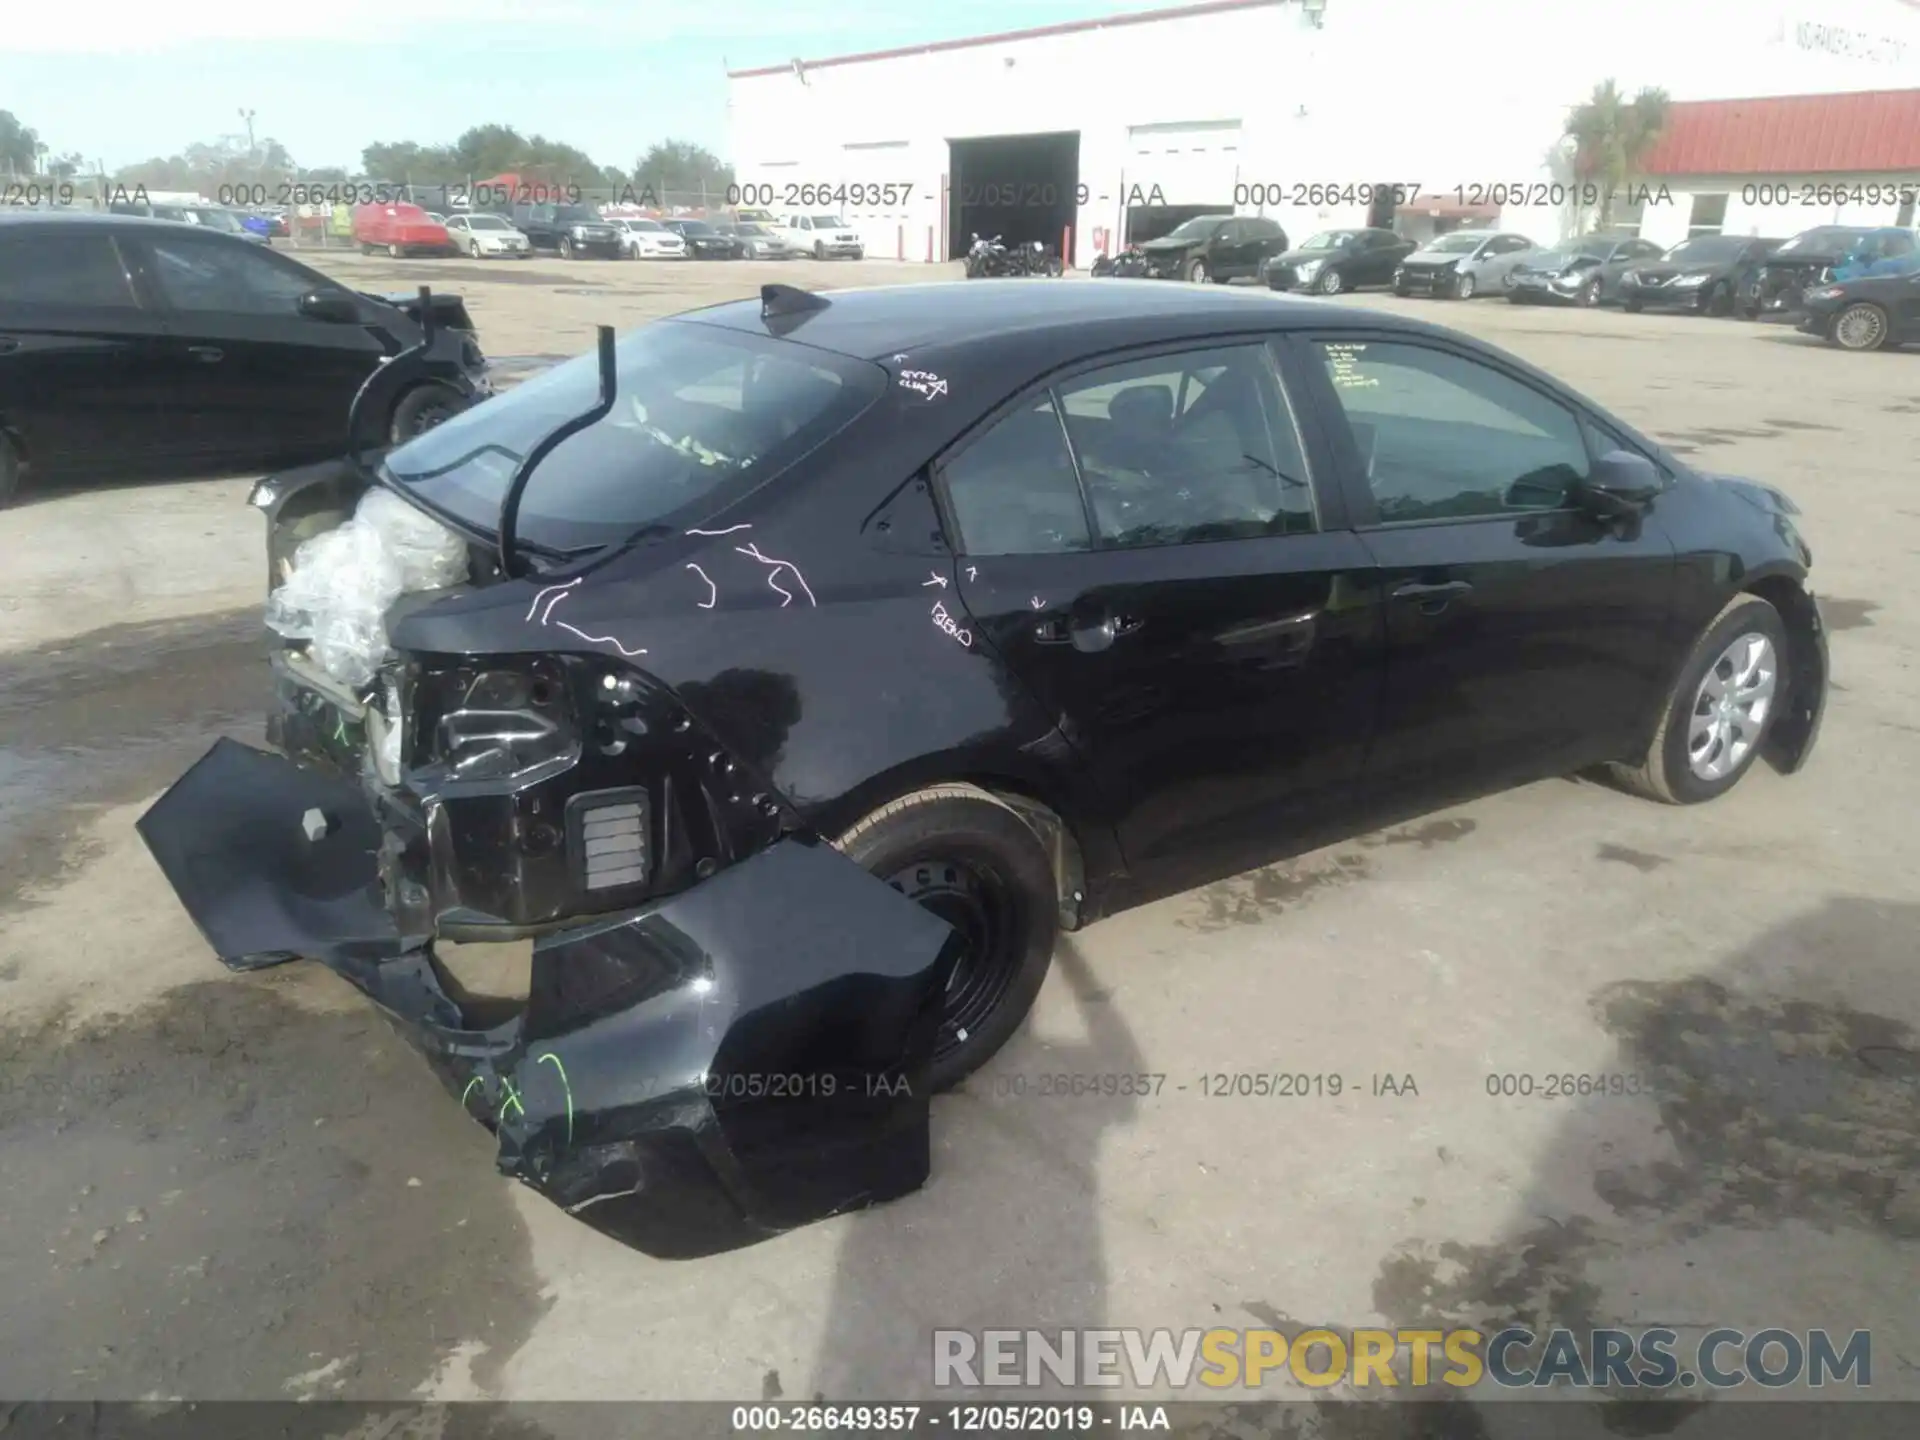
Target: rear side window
x=1014 y=491
x=63 y=268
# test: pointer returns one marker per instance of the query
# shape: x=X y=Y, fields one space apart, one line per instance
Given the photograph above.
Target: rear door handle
x=207 y=354
x=1433 y=598
x=1087 y=635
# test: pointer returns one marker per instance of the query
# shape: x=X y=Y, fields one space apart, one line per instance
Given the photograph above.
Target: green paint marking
x=340 y=728
x=468 y=1091
x=512 y=1099
x=565 y=1083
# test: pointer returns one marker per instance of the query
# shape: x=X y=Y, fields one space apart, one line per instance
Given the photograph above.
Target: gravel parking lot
x=248 y=1187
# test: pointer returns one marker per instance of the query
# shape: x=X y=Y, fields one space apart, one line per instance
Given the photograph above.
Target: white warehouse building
x=1315 y=112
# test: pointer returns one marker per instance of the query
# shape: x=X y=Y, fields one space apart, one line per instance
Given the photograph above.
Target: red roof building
x=1871 y=132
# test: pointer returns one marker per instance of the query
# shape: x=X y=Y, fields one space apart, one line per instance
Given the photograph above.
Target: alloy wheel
x=1860 y=327
x=1731 y=707
x=1332 y=283
x=566 y=248
x=1197 y=272
x=1463 y=287
x=473 y=249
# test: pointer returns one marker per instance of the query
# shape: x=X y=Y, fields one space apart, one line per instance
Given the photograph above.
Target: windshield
x=1707 y=249
x=696 y=227
x=828 y=222
x=698 y=409
x=1330 y=240
x=1196 y=229
x=485 y=222
x=1828 y=237
x=645 y=225
x=1457 y=244
x=218 y=220
x=578 y=214
x=749 y=229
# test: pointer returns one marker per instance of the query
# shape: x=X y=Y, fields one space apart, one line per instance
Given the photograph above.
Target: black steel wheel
x=964 y=856
x=422 y=408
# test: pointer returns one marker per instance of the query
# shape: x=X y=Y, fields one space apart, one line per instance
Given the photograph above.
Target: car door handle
x=1086 y=635
x=207 y=354
x=1433 y=598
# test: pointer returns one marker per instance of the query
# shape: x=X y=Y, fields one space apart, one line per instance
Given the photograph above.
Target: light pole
x=247 y=115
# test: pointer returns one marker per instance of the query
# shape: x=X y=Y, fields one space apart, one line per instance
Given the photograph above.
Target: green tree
x=208 y=166
x=480 y=153
x=19 y=146
x=683 y=167
x=1611 y=135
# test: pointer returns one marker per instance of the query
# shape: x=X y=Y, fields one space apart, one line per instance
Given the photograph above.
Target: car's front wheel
x=395 y=251
x=473 y=248
x=1861 y=326
x=1463 y=286
x=819 y=249
x=1720 y=709
x=1331 y=282
x=566 y=247
x=974 y=862
x=1197 y=271
x=422 y=408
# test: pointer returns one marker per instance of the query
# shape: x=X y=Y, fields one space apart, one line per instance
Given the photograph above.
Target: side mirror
x=328 y=305
x=1621 y=483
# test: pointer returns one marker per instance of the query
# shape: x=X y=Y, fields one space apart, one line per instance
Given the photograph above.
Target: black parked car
x=1872 y=312
x=1580 y=272
x=706 y=243
x=1811 y=257
x=149 y=348
x=1214 y=247
x=570 y=231
x=1707 y=273
x=1337 y=260
x=856 y=645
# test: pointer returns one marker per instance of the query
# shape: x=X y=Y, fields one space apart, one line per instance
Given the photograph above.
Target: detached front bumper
x=706 y=1070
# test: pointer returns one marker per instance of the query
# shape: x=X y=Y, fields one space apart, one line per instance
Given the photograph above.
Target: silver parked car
x=1463 y=264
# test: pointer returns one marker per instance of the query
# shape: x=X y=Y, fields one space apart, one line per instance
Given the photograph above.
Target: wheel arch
x=1793 y=733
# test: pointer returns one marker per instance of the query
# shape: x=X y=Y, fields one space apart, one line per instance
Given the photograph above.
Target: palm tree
x=1612 y=135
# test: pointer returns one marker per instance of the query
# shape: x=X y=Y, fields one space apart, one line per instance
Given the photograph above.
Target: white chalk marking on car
x=728 y=531
x=713 y=590
x=753 y=551
x=554 y=590
x=937 y=579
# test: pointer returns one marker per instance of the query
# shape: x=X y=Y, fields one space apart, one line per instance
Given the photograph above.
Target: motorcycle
x=992 y=258
x=1129 y=263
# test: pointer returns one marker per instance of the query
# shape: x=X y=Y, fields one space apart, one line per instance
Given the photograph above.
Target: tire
x=9 y=473
x=394 y=252
x=1588 y=297
x=566 y=247
x=1862 y=326
x=1632 y=307
x=968 y=858
x=819 y=249
x=1666 y=772
x=473 y=248
x=1331 y=282
x=1197 y=272
x=422 y=408
x=1402 y=291
x=1464 y=286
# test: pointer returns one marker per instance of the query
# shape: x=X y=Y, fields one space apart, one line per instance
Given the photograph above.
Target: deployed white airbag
x=343 y=581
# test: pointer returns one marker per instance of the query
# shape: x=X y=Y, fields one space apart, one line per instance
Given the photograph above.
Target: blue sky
x=122 y=80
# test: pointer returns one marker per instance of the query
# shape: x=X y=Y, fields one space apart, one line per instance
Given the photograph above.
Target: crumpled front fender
x=746 y=1056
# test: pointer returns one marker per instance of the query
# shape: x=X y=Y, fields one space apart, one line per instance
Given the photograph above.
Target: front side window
x=700 y=414
x=1442 y=437
x=62 y=268
x=204 y=276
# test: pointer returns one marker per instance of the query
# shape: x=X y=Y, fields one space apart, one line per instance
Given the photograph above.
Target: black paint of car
x=1213 y=247
x=1580 y=272
x=1707 y=273
x=1337 y=260
x=706 y=243
x=151 y=349
x=1810 y=258
x=569 y=231
x=1870 y=312
x=855 y=645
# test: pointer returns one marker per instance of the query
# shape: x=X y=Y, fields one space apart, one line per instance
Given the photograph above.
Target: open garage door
x=1177 y=171
x=1019 y=187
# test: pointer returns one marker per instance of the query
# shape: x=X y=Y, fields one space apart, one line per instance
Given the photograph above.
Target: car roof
x=871 y=324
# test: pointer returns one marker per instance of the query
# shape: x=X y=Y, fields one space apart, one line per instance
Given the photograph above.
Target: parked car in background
x=762 y=242
x=483 y=236
x=229 y=222
x=399 y=229
x=704 y=242
x=761 y=741
x=1337 y=260
x=169 y=350
x=1580 y=272
x=824 y=237
x=1811 y=257
x=1707 y=274
x=570 y=231
x=1869 y=312
x=152 y=210
x=1463 y=264
x=1214 y=247
x=644 y=239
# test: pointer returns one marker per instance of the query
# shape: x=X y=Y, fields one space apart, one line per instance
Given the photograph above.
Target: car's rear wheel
x=975 y=863
x=1331 y=282
x=1861 y=326
x=422 y=408
x=819 y=249
x=1720 y=709
x=1463 y=286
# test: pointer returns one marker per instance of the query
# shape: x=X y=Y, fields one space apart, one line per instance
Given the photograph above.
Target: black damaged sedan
x=793 y=672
